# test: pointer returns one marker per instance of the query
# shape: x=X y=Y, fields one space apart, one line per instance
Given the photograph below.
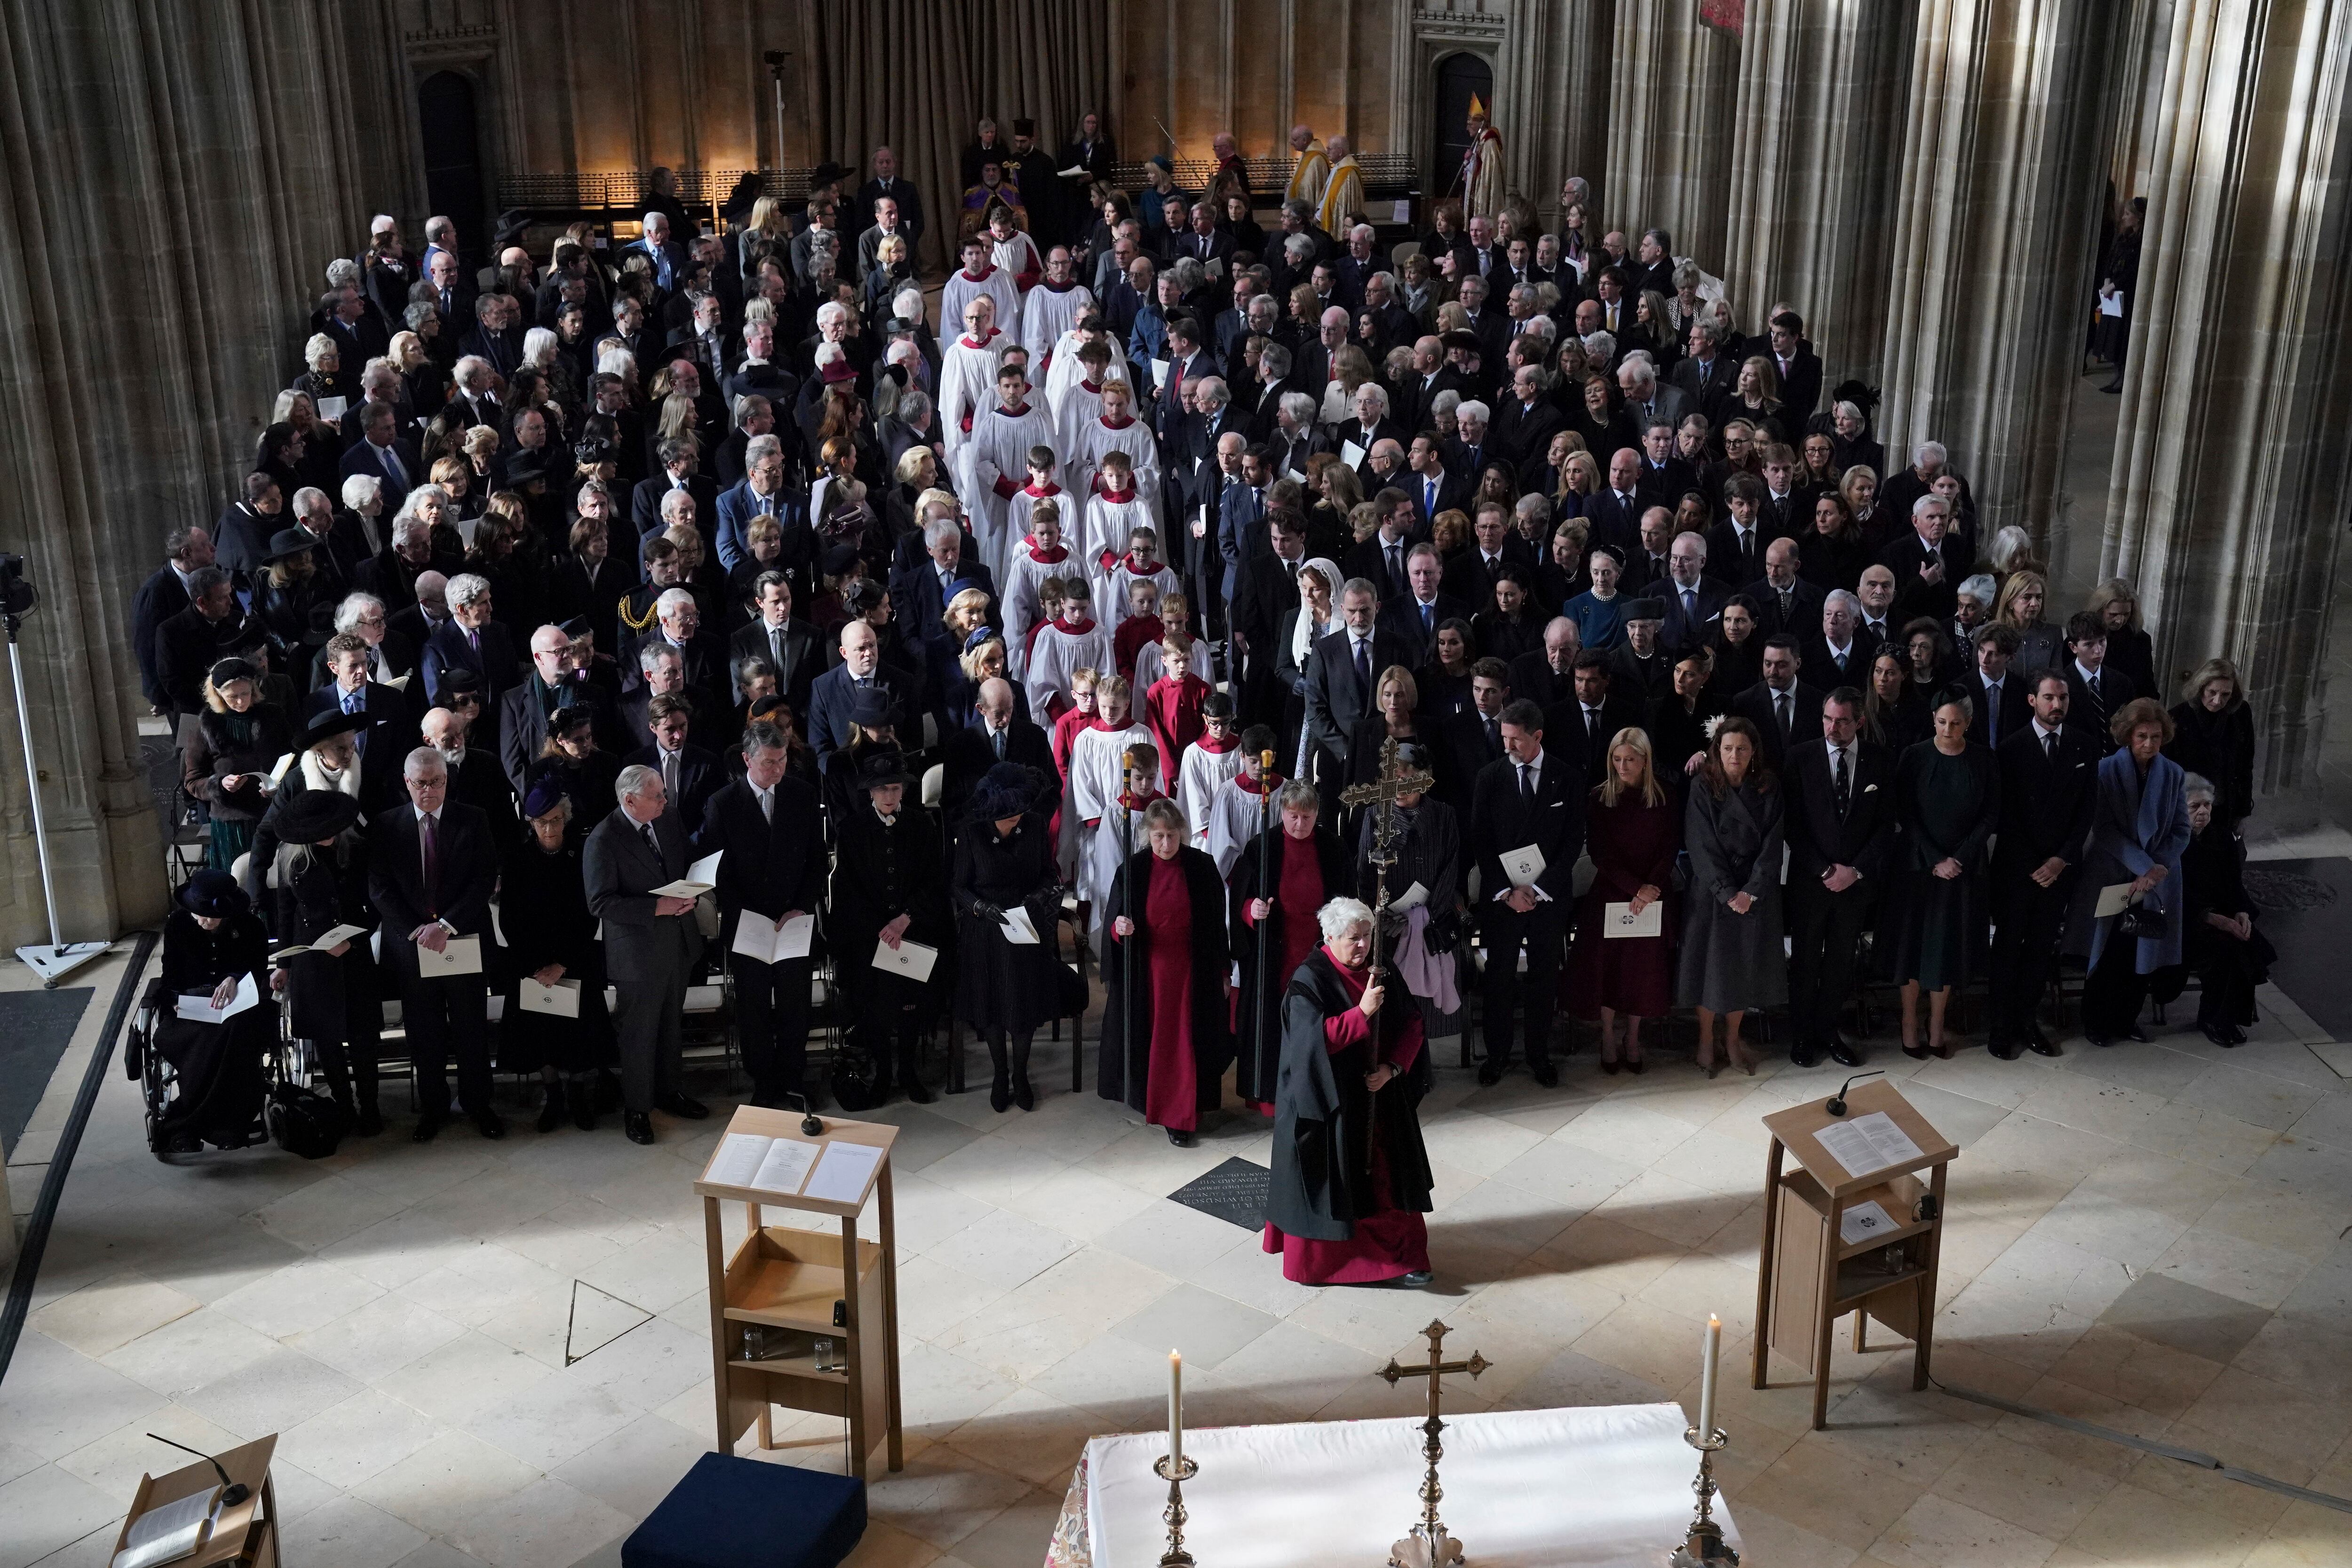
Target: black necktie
x=996 y=738
x=1840 y=781
x=1364 y=667
x=1495 y=734
x=2050 y=747
x=652 y=843
x=1527 y=786
x=1592 y=730
x=1780 y=714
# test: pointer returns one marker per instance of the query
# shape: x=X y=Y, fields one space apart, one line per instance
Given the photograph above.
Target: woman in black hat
x=874 y=724
x=213 y=945
x=890 y=887
x=586 y=775
x=226 y=759
x=1004 y=862
x=291 y=599
x=550 y=937
x=311 y=860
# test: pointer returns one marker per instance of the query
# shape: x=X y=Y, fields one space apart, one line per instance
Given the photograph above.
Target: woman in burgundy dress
x=1167 y=908
x=1305 y=865
x=1350 y=1176
x=1634 y=831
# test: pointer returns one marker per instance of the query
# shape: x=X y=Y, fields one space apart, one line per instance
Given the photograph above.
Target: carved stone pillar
x=1996 y=220
x=1671 y=98
x=1822 y=84
x=1552 y=96
x=2230 y=493
x=174 y=206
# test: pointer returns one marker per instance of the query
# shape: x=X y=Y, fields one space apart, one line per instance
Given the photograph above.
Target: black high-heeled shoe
x=1000 y=1093
x=1023 y=1095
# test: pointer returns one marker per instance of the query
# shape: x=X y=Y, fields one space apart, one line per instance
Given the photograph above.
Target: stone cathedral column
x=2230 y=491
x=1553 y=94
x=1996 y=219
x=1823 y=86
x=1673 y=91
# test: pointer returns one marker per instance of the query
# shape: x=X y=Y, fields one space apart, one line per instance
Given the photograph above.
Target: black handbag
x=856 y=1080
x=304 y=1122
x=2137 y=923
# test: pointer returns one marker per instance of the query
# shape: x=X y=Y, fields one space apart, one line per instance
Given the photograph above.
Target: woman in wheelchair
x=309 y=870
x=212 y=943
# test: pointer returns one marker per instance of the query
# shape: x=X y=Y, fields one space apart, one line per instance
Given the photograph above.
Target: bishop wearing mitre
x=1481 y=167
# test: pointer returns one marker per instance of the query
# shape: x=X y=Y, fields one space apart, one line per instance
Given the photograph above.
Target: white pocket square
x=1867 y=788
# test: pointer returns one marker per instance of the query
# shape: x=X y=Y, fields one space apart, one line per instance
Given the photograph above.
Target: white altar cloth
x=1524 y=1489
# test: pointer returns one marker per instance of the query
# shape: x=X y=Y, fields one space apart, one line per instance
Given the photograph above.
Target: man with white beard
x=992 y=465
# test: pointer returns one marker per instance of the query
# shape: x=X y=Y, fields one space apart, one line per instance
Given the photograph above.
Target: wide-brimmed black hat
x=457 y=680
x=529 y=465
x=1008 y=789
x=326 y=726
x=1644 y=610
x=826 y=173
x=545 y=795
x=871 y=709
x=286 y=543
x=214 y=894
x=315 y=815
x=880 y=770
x=1461 y=339
x=563 y=721
x=231 y=670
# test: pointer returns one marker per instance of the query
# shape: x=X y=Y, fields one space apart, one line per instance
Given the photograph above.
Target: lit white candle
x=1175 y=1410
x=1706 y=1377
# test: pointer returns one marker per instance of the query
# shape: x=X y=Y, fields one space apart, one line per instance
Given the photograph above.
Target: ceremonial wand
x=1265 y=890
x=1134 y=908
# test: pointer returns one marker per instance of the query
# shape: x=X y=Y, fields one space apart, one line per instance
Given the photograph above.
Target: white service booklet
x=1865 y=1220
x=1619 y=920
x=197 y=1007
x=911 y=959
x=326 y=939
x=757 y=936
x=1412 y=898
x=2113 y=901
x=560 y=1000
x=458 y=955
x=1019 y=928
x=699 y=879
x=1523 y=866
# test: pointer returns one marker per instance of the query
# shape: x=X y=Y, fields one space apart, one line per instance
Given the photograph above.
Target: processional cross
x=1429 y=1546
x=1380 y=794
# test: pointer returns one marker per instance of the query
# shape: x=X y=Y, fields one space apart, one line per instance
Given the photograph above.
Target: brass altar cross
x=1380 y=794
x=1429 y=1546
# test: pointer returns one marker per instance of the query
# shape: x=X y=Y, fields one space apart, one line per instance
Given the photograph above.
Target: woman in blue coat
x=2138 y=830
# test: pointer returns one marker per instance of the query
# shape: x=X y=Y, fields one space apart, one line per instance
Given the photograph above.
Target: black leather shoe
x=551 y=1112
x=1023 y=1095
x=1542 y=1070
x=370 y=1120
x=583 y=1108
x=916 y=1093
x=1803 y=1056
x=1490 y=1073
x=680 y=1105
x=1418 y=1277
x=490 y=1124
x=1843 y=1054
x=2237 y=1036
x=1182 y=1139
x=2139 y=1034
x=428 y=1128
x=999 y=1094
x=638 y=1126
x=2100 y=1040
x=2041 y=1045
x=2005 y=1049
x=2217 y=1034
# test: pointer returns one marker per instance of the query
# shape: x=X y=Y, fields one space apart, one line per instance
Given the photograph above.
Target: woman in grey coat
x=1732 y=957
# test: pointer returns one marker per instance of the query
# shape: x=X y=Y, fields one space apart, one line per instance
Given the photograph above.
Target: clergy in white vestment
x=1235 y=815
x=967 y=372
x=992 y=465
x=1097 y=756
x=1482 y=168
x=1051 y=311
x=1039 y=558
x=1343 y=193
x=1014 y=253
x=982 y=276
x=1208 y=762
x=1309 y=173
x=1074 y=642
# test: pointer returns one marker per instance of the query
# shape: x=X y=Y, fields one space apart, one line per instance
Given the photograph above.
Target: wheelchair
x=283 y=1062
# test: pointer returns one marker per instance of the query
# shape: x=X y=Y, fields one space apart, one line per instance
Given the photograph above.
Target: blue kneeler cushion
x=729 y=1512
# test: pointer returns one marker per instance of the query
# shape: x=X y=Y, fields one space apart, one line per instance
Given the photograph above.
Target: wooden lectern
x=784 y=1288
x=246 y=1534
x=1809 y=1274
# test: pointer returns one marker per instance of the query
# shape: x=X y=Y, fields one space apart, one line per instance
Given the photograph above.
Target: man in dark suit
x=469 y=639
x=188 y=551
x=188 y=644
x=1928 y=562
x=690 y=774
x=663 y=671
x=1001 y=736
x=1268 y=592
x=2001 y=694
x=555 y=681
x=1413 y=618
x=1736 y=544
x=2095 y=693
x=791 y=646
x=886 y=182
x=387 y=721
x=1340 y=689
x=680 y=460
x=1523 y=799
x=920 y=590
x=475 y=777
x=431 y=867
x=2049 y=789
x=1799 y=370
x=651 y=945
x=1548 y=675
x=834 y=692
x=1840 y=653
x=1784 y=600
x=1434 y=488
x=1705 y=373
x=1470 y=739
x=1664 y=475
x=1694 y=601
x=382 y=454
x=772 y=871
x=1494 y=546
x=1615 y=514
x=241 y=532
x=1526 y=421
x=1784 y=710
x=1841 y=827
x=1579 y=728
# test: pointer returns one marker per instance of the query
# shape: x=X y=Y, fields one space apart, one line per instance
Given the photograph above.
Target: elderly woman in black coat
x=550 y=938
x=2213 y=736
x=309 y=871
x=213 y=945
x=2220 y=943
x=227 y=755
x=1006 y=892
x=1166 y=914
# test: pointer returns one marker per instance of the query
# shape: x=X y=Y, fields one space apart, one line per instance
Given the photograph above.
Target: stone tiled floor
x=2147 y=1237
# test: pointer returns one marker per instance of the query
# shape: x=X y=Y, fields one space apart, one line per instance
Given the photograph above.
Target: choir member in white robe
x=1040 y=558
x=1094 y=779
x=1208 y=762
x=1015 y=254
x=1115 y=429
x=1139 y=563
x=1076 y=641
x=967 y=372
x=1051 y=312
x=1117 y=506
x=1175 y=612
x=1235 y=816
x=1073 y=389
x=982 y=276
x=992 y=465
